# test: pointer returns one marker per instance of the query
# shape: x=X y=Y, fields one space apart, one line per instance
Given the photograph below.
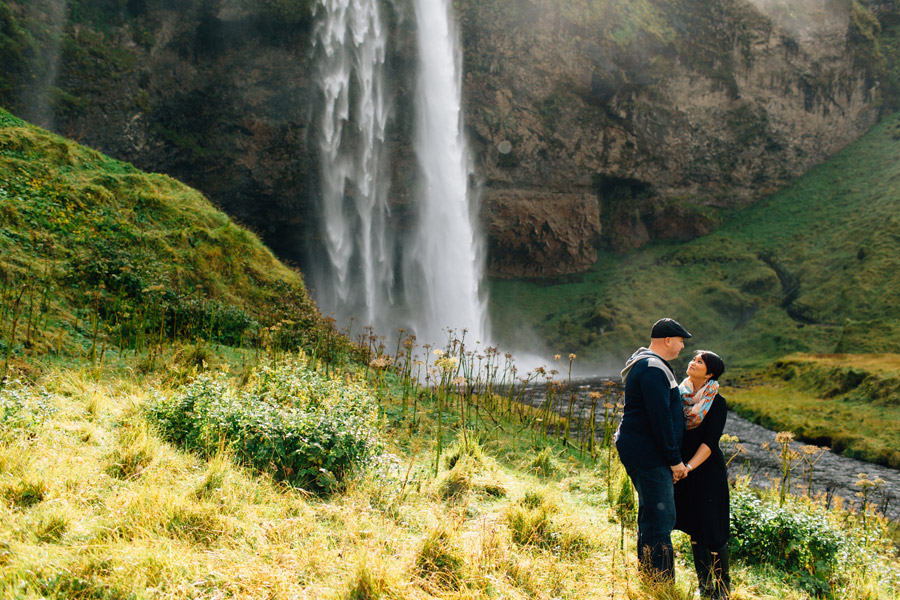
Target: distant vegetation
x=848 y=402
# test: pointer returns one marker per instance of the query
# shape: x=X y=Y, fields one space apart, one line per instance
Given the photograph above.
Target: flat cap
x=668 y=328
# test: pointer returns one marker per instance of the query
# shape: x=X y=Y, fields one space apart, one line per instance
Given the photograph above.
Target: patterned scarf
x=696 y=405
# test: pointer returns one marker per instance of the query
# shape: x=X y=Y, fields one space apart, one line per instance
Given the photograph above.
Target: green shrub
x=307 y=429
x=20 y=412
x=799 y=539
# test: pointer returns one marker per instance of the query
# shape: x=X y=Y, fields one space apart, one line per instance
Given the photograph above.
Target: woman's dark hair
x=715 y=366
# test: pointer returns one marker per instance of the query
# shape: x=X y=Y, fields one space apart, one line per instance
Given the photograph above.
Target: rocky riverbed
x=832 y=474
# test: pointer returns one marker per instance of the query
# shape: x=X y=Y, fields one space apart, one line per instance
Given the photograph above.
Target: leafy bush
x=20 y=412
x=307 y=429
x=799 y=539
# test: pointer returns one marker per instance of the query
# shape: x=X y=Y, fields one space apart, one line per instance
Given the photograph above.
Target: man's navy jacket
x=653 y=421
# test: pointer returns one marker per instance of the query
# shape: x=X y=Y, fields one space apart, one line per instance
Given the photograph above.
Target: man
x=649 y=443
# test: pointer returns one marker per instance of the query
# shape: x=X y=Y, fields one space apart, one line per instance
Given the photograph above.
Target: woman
x=701 y=498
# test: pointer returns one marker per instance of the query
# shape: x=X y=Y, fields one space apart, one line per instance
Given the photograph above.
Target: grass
x=847 y=402
x=96 y=503
x=812 y=268
x=95 y=254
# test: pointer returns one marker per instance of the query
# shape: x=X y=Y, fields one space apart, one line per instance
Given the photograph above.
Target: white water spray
x=36 y=95
x=441 y=259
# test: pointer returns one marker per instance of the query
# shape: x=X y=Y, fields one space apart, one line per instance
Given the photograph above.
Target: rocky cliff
x=595 y=124
x=660 y=110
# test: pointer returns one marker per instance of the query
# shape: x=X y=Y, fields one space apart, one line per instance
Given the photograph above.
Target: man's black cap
x=668 y=328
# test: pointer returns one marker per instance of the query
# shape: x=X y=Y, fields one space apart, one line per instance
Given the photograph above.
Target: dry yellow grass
x=94 y=505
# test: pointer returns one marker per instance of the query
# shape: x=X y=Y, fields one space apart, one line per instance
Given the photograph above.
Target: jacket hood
x=639 y=354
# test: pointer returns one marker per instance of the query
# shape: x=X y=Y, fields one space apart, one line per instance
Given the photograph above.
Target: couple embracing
x=668 y=441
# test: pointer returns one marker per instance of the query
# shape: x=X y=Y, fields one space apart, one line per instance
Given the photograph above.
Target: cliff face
x=660 y=110
x=594 y=124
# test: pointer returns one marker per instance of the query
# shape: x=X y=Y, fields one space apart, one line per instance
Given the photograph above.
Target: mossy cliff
x=596 y=125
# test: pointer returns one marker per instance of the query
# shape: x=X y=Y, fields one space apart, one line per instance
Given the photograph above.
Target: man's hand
x=679 y=472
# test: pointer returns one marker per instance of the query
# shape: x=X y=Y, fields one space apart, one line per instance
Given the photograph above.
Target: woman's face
x=697 y=368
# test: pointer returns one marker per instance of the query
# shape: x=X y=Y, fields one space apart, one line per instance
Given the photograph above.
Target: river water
x=833 y=475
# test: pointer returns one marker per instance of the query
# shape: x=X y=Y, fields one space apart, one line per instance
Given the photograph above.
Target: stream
x=833 y=475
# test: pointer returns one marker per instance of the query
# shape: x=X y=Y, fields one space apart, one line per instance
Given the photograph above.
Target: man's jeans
x=656 y=518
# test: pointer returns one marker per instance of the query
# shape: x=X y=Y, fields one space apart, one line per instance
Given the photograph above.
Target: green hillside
x=276 y=463
x=814 y=267
x=95 y=254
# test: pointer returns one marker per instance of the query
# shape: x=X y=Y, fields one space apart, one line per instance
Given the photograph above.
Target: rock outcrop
x=540 y=234
x=699 y=105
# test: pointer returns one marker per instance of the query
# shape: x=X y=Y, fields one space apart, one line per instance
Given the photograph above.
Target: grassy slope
x=835 y=233
x=93 y=504
x=85 y=238
x=848 y=402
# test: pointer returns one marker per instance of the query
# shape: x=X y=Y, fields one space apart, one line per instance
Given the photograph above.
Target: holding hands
x=679 y=472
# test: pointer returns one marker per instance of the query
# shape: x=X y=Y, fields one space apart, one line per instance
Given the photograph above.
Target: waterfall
x=36 y=94
x=438 y=260
x=357 y=281
x=444 y=266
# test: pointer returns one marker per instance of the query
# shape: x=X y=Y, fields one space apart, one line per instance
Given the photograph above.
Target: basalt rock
x=539 y=234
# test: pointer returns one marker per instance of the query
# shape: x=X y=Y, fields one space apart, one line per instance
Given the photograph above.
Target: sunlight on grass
x=177 y=525
x=169 y=435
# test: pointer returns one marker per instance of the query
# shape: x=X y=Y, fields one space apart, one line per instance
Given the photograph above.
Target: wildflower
x=381 y=362
x=459 y=381
x=571 y=357
x=438 y=352
x=556 y=357
x=447 y=363
x=865 y=482
x=784 y=437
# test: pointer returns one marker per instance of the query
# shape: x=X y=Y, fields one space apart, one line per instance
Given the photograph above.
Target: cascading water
x=444 y=269
x=35 y=96
x=440 y=259
x=358 y=280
